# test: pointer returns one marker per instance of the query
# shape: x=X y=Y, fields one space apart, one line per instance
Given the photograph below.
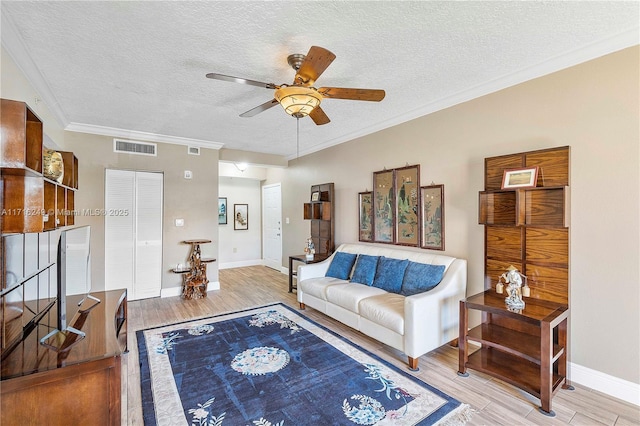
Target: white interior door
x=272 y=226
x=133 y=232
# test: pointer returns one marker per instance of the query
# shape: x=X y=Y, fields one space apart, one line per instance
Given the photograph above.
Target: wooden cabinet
x=535 y=362
x=29 y=201
x=529 y=229
x=80 y=384
x=321 y=212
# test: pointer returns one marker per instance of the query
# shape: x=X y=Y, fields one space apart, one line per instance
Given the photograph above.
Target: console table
x=534 y=362
x=302 y=258
x=194 y=278
x=78 y=384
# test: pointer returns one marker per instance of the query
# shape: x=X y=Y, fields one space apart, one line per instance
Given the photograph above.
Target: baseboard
x=177 y=291
x=240 y=264
x=601 y=382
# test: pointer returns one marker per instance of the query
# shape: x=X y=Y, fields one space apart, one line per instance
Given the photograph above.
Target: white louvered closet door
x=133 y=232
x=148 y=265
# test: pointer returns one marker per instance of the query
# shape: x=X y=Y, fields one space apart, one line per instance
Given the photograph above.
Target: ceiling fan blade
x=316 y=61
x=374 y=95
x=257 y=110
x=231 y=79
x=318 y=116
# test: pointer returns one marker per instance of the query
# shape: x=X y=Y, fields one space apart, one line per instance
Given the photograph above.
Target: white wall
x=240 y=247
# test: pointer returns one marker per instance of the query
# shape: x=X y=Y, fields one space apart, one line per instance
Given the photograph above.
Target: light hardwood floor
x=493 y=402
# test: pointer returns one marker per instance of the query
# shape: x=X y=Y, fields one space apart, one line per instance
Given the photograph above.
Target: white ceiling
x=137 y=69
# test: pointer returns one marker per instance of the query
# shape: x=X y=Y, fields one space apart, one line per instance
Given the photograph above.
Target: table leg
x=290 y=275
x=546 y=368
x=463 y=348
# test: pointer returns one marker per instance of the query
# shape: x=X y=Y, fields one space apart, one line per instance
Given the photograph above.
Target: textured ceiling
x=138 y=68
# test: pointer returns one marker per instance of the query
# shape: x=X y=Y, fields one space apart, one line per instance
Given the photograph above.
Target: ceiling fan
x=301 y=98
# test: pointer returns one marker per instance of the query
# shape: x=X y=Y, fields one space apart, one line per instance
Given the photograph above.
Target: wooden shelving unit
x=529 y=229
x=31 y=202
x=321 y=212
x=536 y=363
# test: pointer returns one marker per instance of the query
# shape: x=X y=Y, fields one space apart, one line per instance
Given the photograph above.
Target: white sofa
x=413 y=324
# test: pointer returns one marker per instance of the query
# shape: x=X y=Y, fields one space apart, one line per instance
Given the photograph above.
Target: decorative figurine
x=310 y=249
x=513 y=279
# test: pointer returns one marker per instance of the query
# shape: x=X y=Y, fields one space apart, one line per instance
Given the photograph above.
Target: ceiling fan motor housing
x=296 y=60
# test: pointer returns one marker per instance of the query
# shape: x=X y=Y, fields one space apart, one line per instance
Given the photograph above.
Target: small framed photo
x=240 y=217
x=315 y=196
x=222 y=211
x=520 y=178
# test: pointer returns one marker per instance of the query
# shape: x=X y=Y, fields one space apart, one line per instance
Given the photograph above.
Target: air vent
x=194 y=150
x=134 y=147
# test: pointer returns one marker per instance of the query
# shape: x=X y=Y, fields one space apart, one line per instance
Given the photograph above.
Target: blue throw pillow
x=421 y=277
x=341 y=265
x=390 y=274
x=365 y=269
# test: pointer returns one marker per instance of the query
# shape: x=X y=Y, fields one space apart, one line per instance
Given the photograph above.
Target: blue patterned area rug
x=271 y=366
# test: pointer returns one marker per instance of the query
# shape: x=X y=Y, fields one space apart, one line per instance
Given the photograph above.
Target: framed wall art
x=365 y=220
x=520 y=178
x=432 y=211
x=383 y=207
x=240 y=216
x=222 y=211
x=407 y=209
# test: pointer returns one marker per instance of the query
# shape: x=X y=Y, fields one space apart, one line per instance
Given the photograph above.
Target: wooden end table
x=302 y=258
x=531 y=354
x=194 y=278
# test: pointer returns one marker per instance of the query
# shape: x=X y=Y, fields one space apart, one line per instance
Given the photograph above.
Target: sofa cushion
x=341 y=265
x=349 y=295
x=317 y=287
x=421 y=277
x=390 y=274
x=365 y=269
x=387 y=310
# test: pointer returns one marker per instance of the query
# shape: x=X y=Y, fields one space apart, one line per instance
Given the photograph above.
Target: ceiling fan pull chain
x=297 y=137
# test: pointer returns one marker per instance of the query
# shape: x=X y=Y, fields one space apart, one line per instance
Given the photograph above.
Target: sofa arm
x=432 y=317
x=313 y=270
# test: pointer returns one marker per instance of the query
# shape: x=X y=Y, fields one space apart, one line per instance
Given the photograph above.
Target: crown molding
x=617 y=42
x=140 y=136
x=16 y=49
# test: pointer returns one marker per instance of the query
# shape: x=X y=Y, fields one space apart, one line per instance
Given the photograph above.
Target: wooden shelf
x=507 y=340
x=321 y=214
x=320 y=210
x=511 y=369
x=538 y=207
x=21 y=146
x=531 y=353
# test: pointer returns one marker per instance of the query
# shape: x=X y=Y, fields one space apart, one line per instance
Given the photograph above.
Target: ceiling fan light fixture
x=298 y=101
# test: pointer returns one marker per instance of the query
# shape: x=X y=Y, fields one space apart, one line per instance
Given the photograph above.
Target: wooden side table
x=194 y=278
x=302 y=258
x=534 y=362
